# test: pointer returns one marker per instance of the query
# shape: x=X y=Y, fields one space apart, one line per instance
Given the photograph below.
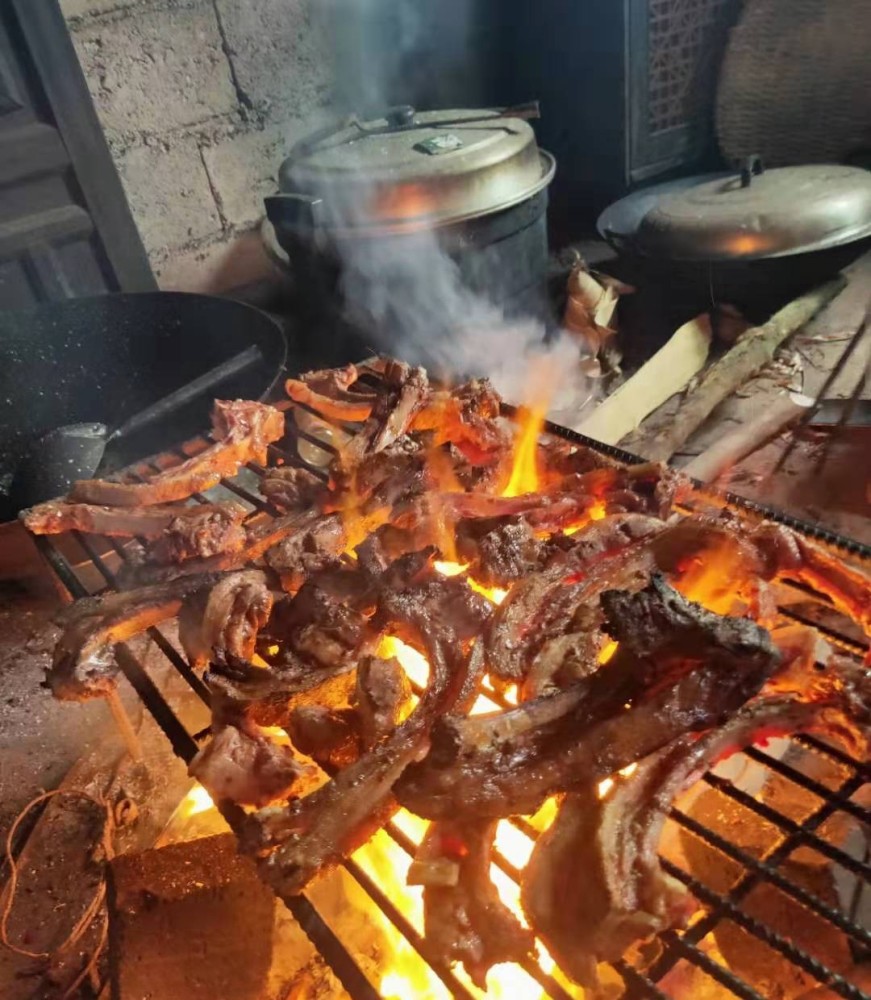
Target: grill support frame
x=640 y=983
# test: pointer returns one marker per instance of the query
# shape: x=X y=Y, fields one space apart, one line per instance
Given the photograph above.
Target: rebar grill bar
x=689 y=946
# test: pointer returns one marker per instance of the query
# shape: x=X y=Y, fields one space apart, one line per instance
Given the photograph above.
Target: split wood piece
x=667 y=372
x=752 y=353
x=747 y=438
x=592 y=306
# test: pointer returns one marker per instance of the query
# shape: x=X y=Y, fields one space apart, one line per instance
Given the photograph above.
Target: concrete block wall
x=200 y=101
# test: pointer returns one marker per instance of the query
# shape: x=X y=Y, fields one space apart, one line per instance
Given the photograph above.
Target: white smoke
x=405 y=292
x=408 y=294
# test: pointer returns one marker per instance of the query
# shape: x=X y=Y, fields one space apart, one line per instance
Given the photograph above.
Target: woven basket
x=795 y=85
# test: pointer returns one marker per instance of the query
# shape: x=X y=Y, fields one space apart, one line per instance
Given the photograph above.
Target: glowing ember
x=276 y=734
x=513 y=844
x=412 y=662
x=714 y=578
x=607 y=651
x=494 y=594
x=195 y=802
x=607 y=784
x=524 y=472
x=597 y=511
x=545 y=816
x=406 y=976
x=604 y=786
x=449 y=568
x=483 y=706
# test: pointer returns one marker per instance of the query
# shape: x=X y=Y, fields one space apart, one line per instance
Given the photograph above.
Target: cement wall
x=200 y=101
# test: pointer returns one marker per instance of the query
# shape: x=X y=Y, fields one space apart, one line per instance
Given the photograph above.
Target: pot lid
x=759 y=213
x=414 y=169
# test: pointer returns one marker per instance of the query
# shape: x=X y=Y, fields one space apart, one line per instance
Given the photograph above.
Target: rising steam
x=405 y=292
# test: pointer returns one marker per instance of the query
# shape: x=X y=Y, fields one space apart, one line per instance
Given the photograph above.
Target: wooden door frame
x=63 y=82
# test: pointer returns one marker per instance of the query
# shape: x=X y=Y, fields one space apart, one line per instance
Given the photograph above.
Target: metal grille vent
x=685 y=40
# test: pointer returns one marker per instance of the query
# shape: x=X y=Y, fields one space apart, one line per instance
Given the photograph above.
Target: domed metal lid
x=760 y=213
x=414 y=169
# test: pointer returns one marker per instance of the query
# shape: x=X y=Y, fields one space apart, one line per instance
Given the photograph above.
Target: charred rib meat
x=464 y=918
x=242 y=430
x=680 y=668
x=84 y=663
x=574 y=599
x=594 y=884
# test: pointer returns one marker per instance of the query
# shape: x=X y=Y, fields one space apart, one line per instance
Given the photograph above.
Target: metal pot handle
x=617 y=240
x=293 y=209
x=751 y=167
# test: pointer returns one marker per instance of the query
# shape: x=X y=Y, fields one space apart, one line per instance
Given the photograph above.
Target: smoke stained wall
x=428 y=53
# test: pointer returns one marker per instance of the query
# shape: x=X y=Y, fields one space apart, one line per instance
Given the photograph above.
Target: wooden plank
x=64 y=222
x=60 y=74
x=30 y=151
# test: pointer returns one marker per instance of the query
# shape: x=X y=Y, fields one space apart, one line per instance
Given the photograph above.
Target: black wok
x=108 y=358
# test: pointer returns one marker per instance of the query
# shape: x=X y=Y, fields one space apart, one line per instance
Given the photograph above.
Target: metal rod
x=841 y=543
x=844 y=418
x=331 y=948
x=822 y=973
x=189 y=391
x=772 y=875
x=182 y=742
x=385 y=904
x=814 y=787
x=809 y=414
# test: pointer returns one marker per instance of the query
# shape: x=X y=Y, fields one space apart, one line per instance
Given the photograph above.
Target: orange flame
x=195 y=802
x=714 y=578
x=524 y=471
x=597 y=511
x=525 y=478
x=405 y=975
x=412 y=662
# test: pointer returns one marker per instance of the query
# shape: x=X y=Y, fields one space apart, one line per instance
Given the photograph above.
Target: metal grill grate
x=685 y=36
x=827 y=778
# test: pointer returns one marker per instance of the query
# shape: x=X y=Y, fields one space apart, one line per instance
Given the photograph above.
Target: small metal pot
x=752 y=238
